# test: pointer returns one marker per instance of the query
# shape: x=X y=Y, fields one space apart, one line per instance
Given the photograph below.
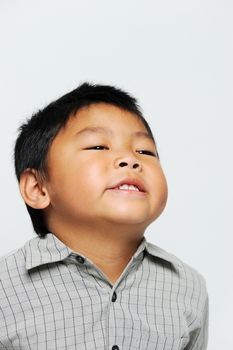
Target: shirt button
x=115 y=347
x=114 y=296
x=80 y=259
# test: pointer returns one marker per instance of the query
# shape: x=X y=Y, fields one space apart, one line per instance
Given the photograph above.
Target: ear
x=32 y=190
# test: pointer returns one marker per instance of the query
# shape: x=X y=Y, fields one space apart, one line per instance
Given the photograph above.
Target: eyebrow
x=104 y=130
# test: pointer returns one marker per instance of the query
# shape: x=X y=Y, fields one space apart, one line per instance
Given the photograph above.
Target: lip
x=129 y=181
x=127 y=193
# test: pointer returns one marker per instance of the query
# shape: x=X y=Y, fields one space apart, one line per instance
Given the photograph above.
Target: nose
x=128 y=161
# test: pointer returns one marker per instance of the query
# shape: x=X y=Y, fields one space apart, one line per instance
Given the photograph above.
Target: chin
x=126 y=220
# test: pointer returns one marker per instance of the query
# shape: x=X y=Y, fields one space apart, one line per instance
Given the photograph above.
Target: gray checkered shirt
x=52 y=297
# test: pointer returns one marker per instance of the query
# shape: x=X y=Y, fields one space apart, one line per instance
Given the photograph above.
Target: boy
x=89 y=173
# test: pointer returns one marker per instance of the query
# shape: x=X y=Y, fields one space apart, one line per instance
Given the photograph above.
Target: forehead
x=106 y=119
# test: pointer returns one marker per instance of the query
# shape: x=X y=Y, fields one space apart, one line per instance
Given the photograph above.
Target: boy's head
x=70 y=155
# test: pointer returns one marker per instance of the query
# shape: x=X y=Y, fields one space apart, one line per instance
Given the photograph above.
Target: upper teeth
x=128 y=187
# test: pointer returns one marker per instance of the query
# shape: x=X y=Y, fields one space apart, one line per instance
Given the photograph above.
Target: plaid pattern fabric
x=52 y=297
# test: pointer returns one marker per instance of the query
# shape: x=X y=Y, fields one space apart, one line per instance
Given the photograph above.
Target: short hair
x=37 y=133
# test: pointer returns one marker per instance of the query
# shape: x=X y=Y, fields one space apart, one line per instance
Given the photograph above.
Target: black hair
x=37 y=133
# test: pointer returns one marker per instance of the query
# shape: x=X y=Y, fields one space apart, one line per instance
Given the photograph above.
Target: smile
x=127 y=192
x=127 y=187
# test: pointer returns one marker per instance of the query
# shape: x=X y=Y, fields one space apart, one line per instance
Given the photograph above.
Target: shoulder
x=189 y=279
x=12 y=264
x=193 y=279
x=185 y=282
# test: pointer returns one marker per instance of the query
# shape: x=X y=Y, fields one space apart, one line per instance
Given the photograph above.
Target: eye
x=97 y=147
x=101 y=147
x=150 y=153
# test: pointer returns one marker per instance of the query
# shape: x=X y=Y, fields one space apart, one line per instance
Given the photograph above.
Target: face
x=84 y=165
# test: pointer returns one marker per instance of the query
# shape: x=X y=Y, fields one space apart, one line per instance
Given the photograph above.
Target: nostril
x=136 y=165
x=123 y=164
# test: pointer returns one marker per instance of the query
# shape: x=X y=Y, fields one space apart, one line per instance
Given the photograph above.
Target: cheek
x=91 y=175
x=84 y=179
x=159 y=185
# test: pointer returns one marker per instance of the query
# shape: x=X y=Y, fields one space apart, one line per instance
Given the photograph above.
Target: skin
x=105 y=226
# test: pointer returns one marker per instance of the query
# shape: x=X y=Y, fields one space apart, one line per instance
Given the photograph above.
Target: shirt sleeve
x=199 y=337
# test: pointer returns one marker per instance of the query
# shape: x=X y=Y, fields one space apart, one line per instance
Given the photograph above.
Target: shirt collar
x=162 y=254
x=45 y=250
x=49 y=249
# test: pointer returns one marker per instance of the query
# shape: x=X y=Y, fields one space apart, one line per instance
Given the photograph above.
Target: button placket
x=114 y=297
x=80 y=259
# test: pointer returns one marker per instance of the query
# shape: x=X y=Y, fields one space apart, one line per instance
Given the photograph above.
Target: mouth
x=132 y=186
x=125 y=192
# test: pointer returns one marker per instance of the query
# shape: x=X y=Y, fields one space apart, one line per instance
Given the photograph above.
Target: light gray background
x=176 y=58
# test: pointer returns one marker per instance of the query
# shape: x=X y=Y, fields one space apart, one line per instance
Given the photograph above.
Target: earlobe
x=32 y=190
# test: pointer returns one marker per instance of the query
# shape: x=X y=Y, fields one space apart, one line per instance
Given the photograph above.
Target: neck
x=110 y=248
